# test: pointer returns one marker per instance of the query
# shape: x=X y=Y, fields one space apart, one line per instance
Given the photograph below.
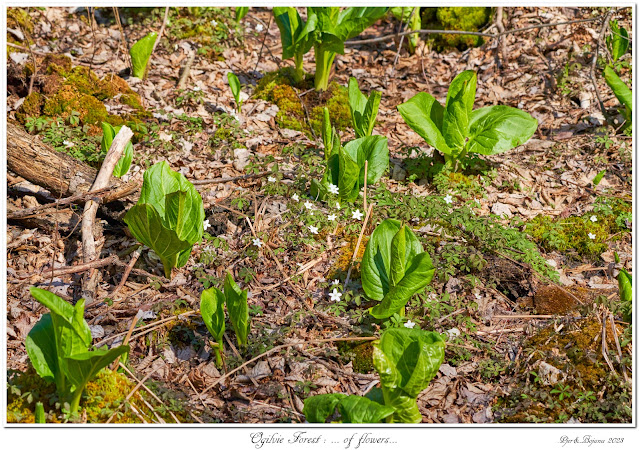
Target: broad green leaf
x=459 y=105
x=39 y=413
x=619 y=88
x=406 y=360
x=236 y=89
x=398 y=257
x=124 y=163
x=356 y=409
x=617 y=41
x=240 y=12
x=418 y=275
x=146 y=224
x=295 y=34
x=237 y=304
x=82 y=367
x=330 y=137
x=169 y=216
x=212 y=309
x=373 y=149
x=320 y=407
x=41 y=348
x=348 y=182
x=352 y=21
x=424 y=115
x=376 y=262
x=140 y=54
x=363 y=110
x=598 y=177
x=496 y=129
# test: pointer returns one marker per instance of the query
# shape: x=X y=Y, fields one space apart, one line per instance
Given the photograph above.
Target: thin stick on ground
x=123 y=42
x=134 y=258
x=131 y=394
x=134 y=322
x=161 y=32
x=359 y=241
x=401 y=42
x=186 y=71
x=593 y=65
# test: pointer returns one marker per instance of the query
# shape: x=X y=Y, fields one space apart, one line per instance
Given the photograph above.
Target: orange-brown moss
x=31 y=107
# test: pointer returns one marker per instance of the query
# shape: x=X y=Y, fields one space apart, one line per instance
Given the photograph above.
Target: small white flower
x=335 y=282
x=272 y=179
x=197 y=89
x=258 y=242
x=337 y=205
x=312 y=229
x=593 y=218
x=68 y=144
x=259 y=27
x=477 y=295
x=357 y=214
x=235 y=115
x=335 y=296
x=332 y=217
x=432 y=297
x=409 y=324
x=448 y=199
x=296 y=197
x=592 y=235
x=308 y=205
x=333 y=189
x=206 y=224
x=214 y=23
x=453 y=332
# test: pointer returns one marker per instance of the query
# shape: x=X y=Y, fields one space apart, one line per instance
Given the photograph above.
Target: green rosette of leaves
x=296 y=36
x=363 y=109
x=456 y=129
x=394 y=267
x=406 y=360
x=58 y=348
x=169 y=216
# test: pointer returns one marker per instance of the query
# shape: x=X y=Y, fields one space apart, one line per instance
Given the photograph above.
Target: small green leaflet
x=140 y=54
x=124 y=163
x=236 y=89
x=598 y=178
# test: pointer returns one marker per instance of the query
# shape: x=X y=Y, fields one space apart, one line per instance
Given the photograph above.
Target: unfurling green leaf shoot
x=240 y=12
x=296 y=36
x=456 y=129
x=620 y=89
x=237 y=304
x=140 y=54
x=617 y=41
x=58 y=347
x=169 y=216
x=363 y=110
x=394 y=267
x=124 y=163
x=236 y=89
x=212 y=309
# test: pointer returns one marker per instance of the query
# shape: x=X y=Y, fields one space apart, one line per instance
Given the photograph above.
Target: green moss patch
x=281 y=88
x=462 y=18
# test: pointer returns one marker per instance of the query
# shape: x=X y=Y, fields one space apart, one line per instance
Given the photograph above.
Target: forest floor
x=519 y=284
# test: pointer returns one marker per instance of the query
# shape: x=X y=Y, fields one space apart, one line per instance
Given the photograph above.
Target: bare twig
x=186 y=71
x=134 y=322
x=472 y=33
x=131 y=394
x=263 y=41
x=401 y=41
x=229 y=179
x=127 y=271
x=157 y=41
x=60 y=271
x=499 y=22
x=127 y=56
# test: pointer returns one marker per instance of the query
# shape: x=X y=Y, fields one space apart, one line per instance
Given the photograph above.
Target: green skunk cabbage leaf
x=425 y=115
x=296 y=35
x=418 y=275
x=140 y=54
x=41 y=348
x=363 y=110
x=406 y=360
x=496 y=129
x=352 y=21
x=39 y=413
x=236 y=89
x=373 y=149
x=82 y=367
x=212 y=310
x=320 y=407
x=455 y=130
x=459 y=105
x=625 y=294
x=124 y=163
x=237 y=304
x=356 y=409
x=240 y=12
x=348 y=176
x=619 y=88
x=169 y=216
x=617 y=41
x=376 y=262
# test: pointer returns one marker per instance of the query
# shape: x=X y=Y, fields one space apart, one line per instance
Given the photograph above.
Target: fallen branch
x=229 y=179
x=89 y=252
